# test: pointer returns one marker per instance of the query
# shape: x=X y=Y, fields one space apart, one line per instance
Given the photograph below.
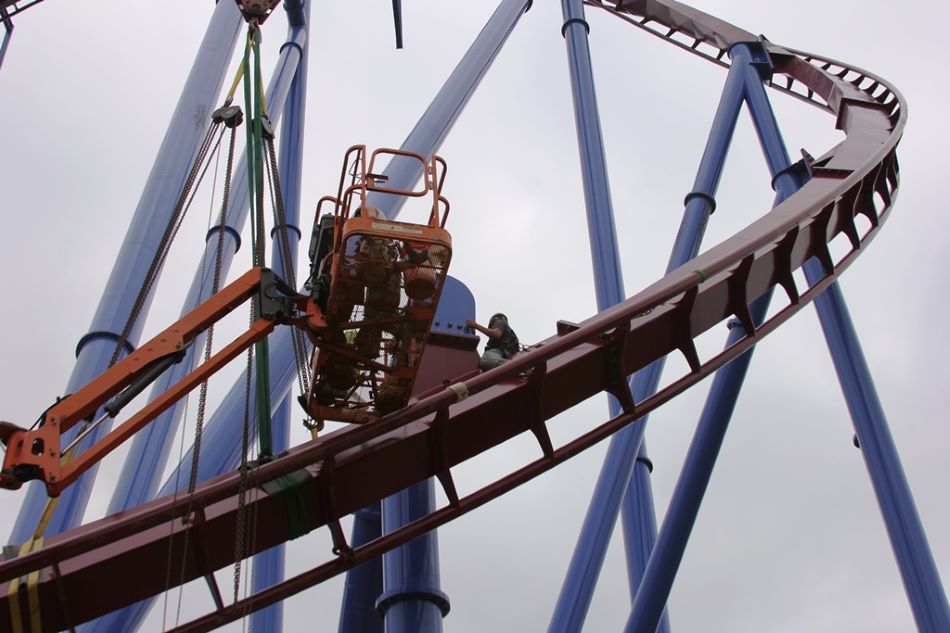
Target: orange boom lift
x=372 y=294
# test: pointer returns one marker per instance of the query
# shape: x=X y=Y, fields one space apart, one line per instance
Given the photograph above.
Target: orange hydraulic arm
x=386 y=279
x=38 y=453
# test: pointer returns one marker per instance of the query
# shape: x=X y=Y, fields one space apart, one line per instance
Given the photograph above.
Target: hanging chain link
x=171 y=230
x=283 y=241
x=241 y=519
x=215 y=286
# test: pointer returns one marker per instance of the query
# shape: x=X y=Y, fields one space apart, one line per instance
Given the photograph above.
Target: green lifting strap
x=291 y=490
x=253 y=96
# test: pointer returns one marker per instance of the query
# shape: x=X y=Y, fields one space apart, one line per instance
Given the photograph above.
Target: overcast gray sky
x=789 y=537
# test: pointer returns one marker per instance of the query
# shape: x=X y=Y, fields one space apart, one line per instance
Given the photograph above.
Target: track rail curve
x=345 y=470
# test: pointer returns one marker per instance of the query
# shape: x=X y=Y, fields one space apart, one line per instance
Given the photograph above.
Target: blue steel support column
x=624 y=448
x=608 y=284
x=699 y=462
x=412 y=601
x=434 y=125
x=172 y=164
x=364 y=583
x=269 y=565
x=925 y=591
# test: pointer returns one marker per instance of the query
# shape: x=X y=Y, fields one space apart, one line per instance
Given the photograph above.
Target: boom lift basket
x=378 y=290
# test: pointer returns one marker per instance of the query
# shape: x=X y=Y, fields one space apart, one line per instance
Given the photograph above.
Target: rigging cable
x=283 y=240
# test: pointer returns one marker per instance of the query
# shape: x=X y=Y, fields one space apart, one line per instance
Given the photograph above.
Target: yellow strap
x=237 y=80
x=33 y=579
x=45 y=518
x=14 y=599
x=260 y=89
x=33 y=589
x=51 y=504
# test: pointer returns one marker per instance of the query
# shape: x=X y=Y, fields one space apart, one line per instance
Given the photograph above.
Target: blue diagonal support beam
x=625 y=452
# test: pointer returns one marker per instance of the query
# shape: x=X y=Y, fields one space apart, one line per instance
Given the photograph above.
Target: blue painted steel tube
x=168 y=174
x=269 y=565
x=412 y=601
x=928 y=600
x=605 y=253
x=150 y=448
x=650 y=601
x=638 y=517
x=609 y=290
x=925 y=591
x=364 y=583
x=434 y=125
x=587 y=560
x=700 y=460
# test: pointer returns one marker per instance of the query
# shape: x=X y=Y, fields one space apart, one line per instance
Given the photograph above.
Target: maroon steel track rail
x=13 y=7
x=83 y=572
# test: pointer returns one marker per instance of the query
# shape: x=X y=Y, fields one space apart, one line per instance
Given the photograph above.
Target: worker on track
x=502 y=341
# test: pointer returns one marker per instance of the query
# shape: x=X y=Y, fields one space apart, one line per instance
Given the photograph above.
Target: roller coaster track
x=13 y=7
x=80 y=572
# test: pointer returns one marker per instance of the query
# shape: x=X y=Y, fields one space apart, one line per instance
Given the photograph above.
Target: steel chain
x=280 y=222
